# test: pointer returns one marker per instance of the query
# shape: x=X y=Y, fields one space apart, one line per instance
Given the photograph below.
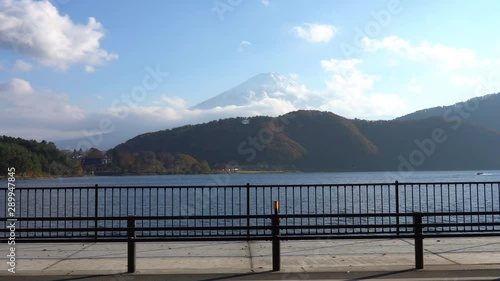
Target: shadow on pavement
x=233 y=276
x=384 y=274
x=84 y=278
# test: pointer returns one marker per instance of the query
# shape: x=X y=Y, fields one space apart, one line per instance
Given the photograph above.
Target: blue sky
x=67 y=66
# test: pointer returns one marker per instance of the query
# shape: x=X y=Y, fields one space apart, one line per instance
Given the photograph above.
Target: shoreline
x=484 y=174
x=128 y=175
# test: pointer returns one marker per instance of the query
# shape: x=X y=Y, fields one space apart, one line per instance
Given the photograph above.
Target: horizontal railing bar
x=347 y=226
x=439 y=183
x=299 y=227
x=371 y=215
x=159 y=187
x=360 y=215
x=458 y=224
x=144 y=228
x=141 y=239
x=282 y=216
x=430 y=214
x=457 y=235
x=283 y=227
x=241 y=217
x=236 y=217
x=346 y=236
x=406 y=225
x=245 y=238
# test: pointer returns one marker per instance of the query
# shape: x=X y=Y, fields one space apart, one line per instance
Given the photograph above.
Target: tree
x=34 y=159
x=184 y=162
x=201 y=168
x=94 y=153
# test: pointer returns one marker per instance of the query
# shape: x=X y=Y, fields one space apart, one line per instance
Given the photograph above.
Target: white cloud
x=267 y=105
x=16 y=90
x=243 y=45
x=486 y=80
x=89 y=69
x=266 y=2
x=176 y=102
x=315 y=33
x=100 y=97
x=373 y=106
x=300 y=92
x=2 y=67
x=447 y=57
x=413 y=86
x=456 y=74
x=341 y=66
x=22 y=66
x=35 y=108
x=391 y=43
x=39 y=114
x=471 y=82
x=349 y=92
x=347 y=78
x=468 y=85
x=37 y=29
x=272 y=106
x=41 y=133
x=461 y=81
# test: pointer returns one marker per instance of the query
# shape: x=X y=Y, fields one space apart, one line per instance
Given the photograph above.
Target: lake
x=298 y=193
x=263 y=179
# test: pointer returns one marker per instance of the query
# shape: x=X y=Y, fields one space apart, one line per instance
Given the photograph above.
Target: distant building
x=76 y=155
x=87 y=161
x=226 y=168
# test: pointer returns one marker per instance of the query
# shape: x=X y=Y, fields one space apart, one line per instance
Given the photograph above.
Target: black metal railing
x=249 y=212
x=224 y=227
x=248 y=201
x=273 y=227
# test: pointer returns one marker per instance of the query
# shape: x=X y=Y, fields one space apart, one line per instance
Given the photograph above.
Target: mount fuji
x=256 y=89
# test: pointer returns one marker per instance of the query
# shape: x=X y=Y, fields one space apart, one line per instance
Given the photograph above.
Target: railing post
x=96 y=209
x=131 y=244
x=248 y=210
x=276 y=238
x=419 y=241
x=397 y=208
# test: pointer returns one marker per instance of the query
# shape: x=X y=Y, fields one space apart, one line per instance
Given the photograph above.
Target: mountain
x=323 y=141
x=261 y=86
x=483 y=111
x=222 y=141
x=330 y=142
x=433 y=144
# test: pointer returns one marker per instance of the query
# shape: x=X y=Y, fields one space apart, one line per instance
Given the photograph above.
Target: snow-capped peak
x=260 y=86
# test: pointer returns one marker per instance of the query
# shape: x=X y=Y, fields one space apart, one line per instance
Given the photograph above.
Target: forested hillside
x=323 y=141
x=483 y=111
x=36 y=159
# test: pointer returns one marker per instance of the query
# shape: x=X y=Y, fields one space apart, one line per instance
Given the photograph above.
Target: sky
x=104 y=71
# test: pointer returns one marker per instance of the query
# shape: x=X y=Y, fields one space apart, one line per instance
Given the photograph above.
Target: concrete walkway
x=300 y=259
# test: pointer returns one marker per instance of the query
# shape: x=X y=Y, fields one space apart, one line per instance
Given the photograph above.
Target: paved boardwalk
x=301 y=260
